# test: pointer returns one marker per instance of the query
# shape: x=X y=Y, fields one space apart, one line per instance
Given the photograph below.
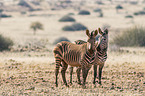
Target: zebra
x=101 y=56
x=82 y=56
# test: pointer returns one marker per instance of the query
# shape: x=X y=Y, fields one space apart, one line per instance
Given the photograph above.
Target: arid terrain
x=25 y=71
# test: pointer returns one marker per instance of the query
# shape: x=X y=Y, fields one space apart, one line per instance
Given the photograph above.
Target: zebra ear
x=106 y=31
x=100 y=31
x=87 y=32
x=96 y=32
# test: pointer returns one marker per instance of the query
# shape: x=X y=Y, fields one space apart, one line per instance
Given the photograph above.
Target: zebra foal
x=83 y=56
x=101 y=56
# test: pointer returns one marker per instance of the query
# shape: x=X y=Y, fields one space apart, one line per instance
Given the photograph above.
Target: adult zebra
x=101 y=56
x=75 y=55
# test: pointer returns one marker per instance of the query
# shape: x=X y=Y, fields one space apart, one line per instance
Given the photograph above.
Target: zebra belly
x=73 y=63
x=72 y=58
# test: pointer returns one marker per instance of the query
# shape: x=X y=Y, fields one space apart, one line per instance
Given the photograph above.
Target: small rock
x=31 y=88
x=52 y=88
x=135 y=88
x=118 y=87
x=44 y=81
x=113 y=84
x=121 y=90
x=112 y=87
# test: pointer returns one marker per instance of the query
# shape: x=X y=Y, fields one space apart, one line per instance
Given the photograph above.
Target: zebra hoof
x=66 y=85
x=56 y=85
x=79 y=83
x=99 y=83
x=94 y=82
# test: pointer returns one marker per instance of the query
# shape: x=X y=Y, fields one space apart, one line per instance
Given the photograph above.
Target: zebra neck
x=102 y=53
x=91 y=51
x=90 y=58
x=102 y=56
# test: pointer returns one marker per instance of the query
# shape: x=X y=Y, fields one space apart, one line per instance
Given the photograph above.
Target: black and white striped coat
x=82 y=56
x=101 y=56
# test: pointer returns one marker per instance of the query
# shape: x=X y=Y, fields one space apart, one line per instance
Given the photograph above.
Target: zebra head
x=91 y=40
x=103 y=42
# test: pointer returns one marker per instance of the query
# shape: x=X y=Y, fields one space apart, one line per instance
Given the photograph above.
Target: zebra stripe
x=75 y=55
x=101 y=55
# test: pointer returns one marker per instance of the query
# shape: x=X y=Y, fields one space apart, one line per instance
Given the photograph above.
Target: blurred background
x=40 y=24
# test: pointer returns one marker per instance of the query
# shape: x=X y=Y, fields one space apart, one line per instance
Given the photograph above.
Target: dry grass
x=123 y=74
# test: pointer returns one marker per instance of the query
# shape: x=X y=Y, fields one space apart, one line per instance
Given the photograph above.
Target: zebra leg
x=71 y=72
x=78 y=75
x=56 y=75
x=100 y=72
x=58 y=62
x=63 y=70
x=95 y=73
x=84 y=73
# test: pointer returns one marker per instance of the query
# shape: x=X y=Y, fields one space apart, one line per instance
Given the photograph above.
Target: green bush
x=5 y=16
x=74 y=27
x=5 y=43
x=100 y=14
x=1 y=10
x=67 y=19
x=128 y=16
x=133 y=2
x=119 y=7
x=100 y=2
x=140 y=13
x=61 y=39
x=136 y=13
x=84 y=12
x=71 y=14
x=134 y=36
x=98 y=10
x=23 y=12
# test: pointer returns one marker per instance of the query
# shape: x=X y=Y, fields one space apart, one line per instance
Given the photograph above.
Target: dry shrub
x=67 y=19
x=5 y=43
x=84 y=12
x=98 y=10
x=128 y=16
x=60 y=39
x=134 y=36
x=74 y=27
x=119 y=7
x=140 y=13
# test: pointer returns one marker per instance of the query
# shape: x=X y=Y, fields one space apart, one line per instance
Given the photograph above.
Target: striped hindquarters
x=58 y=53
x=67 y=52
